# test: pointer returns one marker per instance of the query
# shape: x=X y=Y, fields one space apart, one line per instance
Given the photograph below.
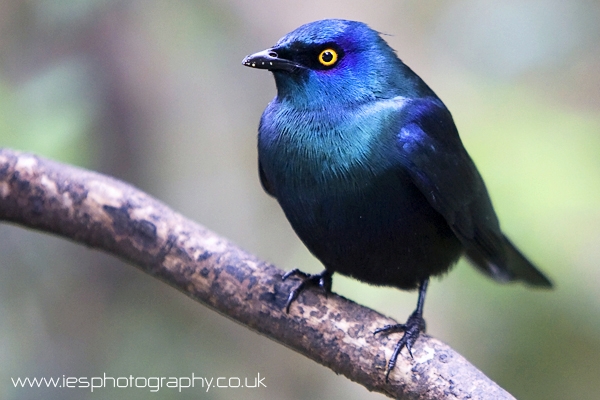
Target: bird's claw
x=386 y=330
x=412 y=329
x=322 y=280
x=294 y=272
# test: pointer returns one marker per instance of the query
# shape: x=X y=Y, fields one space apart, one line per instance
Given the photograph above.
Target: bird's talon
x=412 y=329
x=294 y=272
x=322 y=280
x=409 y=349
x=388 y=329
x=387 y=375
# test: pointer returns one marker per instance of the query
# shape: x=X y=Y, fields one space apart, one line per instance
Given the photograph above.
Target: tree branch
x=107 y=214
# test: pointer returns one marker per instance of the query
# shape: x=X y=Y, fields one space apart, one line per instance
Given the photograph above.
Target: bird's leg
x=412 y=328
x=322 y=280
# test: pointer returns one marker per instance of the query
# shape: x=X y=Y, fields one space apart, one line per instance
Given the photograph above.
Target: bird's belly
x=384 y=233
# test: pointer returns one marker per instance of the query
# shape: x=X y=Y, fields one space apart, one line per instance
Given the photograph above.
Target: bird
x=368 y=167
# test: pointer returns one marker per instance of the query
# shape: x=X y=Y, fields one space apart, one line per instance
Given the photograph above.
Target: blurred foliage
x=50 y=114
x=153 y=92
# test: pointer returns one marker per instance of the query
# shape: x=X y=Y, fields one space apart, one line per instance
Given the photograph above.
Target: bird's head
x=334 y=61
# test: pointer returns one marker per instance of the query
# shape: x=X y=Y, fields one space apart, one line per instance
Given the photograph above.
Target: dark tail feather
x=514 y=266
x=522 y=269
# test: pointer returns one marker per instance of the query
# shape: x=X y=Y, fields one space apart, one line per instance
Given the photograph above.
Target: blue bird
x=369 y=169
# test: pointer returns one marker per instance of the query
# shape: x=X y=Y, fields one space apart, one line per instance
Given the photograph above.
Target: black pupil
x=327 y=56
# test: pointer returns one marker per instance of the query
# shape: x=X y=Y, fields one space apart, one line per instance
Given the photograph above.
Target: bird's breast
x=331 y=149
x=333 y=170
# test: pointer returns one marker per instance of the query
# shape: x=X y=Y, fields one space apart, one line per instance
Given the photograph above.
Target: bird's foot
x=322 y=280
x=413 y=327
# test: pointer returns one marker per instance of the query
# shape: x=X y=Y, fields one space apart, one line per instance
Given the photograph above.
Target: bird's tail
x=516 y=267
x=522 y=268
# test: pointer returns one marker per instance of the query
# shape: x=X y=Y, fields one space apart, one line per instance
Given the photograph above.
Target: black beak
x=269 y=59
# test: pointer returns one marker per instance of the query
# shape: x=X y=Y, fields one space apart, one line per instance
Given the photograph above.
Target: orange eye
x=328 y=57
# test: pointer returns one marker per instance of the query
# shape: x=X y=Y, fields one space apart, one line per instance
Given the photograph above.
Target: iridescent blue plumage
x=367 y=164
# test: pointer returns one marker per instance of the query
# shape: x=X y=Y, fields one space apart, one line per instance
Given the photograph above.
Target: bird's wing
x=433 y=155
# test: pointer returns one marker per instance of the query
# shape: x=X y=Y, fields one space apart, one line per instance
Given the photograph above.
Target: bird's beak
x=269 y=59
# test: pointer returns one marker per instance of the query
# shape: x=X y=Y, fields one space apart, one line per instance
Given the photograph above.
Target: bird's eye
x=328 y=57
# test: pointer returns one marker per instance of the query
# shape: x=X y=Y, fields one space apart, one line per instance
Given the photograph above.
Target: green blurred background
x=153 y=92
